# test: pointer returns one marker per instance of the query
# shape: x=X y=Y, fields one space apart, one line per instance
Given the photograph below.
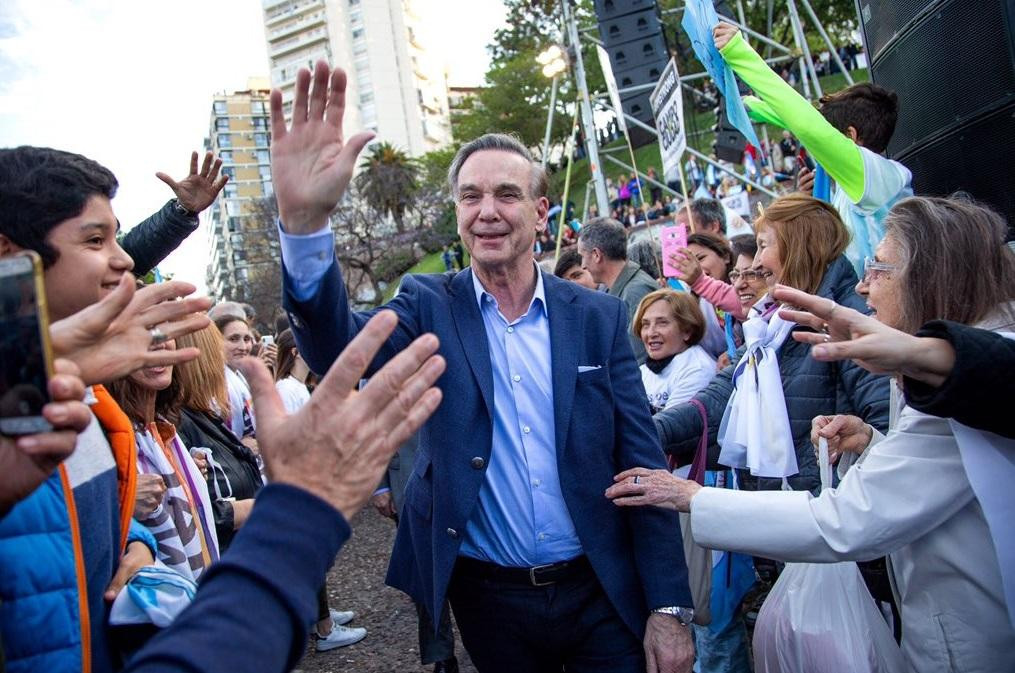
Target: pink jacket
x=719 y=294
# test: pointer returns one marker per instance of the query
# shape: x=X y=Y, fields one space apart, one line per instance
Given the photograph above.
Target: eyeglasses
x=748 y=276
x=874 y=269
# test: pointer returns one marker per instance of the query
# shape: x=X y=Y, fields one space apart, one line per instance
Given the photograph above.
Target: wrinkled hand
x=687 y=266
x=110 y=339
x=870 y=343
x=27 y=461
x=723 y=33
x=151 y=488
x=384 y=504
x=201 y=460
x=654 y=487
x=340 y=442
x=668 y=645
x=197 y=191
x=805 y=181
x=845 y=434
x=311 y=163
x=136 y=556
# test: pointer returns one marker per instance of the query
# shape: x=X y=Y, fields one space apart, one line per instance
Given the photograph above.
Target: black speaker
x=952 y=64
x=632 y=34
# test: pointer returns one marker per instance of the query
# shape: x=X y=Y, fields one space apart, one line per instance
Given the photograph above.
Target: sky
x=129 y=83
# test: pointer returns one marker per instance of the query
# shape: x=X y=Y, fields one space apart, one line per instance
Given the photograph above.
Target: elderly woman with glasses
x=927 y=493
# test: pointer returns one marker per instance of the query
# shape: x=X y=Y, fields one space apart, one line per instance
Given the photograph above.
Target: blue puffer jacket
x=812 y=388
x=40 y=584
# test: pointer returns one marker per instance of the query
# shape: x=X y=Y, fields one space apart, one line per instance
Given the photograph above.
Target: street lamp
x=554 y=62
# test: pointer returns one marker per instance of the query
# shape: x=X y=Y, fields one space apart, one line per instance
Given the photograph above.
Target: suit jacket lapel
x=472 y=333
x=565 y=341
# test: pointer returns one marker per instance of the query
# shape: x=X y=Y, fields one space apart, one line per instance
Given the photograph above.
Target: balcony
x=298 y=42
x=304 y=22
x=286 y=9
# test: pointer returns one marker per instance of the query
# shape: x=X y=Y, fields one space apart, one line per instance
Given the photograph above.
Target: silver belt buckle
x=532 y=575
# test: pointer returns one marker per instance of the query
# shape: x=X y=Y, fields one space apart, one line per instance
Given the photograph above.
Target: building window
x=261 y=139
x=230 y=190
x=263 y=157
x=359 y=48
x=358 y=33
x=220 y=107
x=366 y=97
x=257 y=107
x=234 y=225
x=230 y=171
x=268 y=188
x=225 y=140
x=261 y=123
x=353 y=3
x=226 y=156
x=222 y=124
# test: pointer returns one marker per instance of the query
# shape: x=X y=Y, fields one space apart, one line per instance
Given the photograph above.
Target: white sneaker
x=340 y=636
x=341 y=617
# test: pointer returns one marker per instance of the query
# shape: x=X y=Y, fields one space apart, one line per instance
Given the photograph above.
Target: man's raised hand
x=198 y=190
x=339 y=443
x=311 y=162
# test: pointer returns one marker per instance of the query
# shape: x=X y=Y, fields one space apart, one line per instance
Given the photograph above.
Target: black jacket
x=155 y=238
x=235 y=474
x=981 y=387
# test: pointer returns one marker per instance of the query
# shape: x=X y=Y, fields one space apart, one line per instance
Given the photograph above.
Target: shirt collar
x=539 y=294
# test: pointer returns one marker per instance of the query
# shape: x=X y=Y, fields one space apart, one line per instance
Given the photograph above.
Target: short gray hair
x=539 y=185
x=709 y=210
x=606 y=234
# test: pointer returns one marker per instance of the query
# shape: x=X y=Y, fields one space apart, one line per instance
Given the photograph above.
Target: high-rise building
x=239 y=135
x=395 y=86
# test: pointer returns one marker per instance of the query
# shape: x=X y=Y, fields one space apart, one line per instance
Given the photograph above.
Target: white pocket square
x=588 y=368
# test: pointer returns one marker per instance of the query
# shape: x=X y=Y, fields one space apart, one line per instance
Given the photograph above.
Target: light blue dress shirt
x=521 y=519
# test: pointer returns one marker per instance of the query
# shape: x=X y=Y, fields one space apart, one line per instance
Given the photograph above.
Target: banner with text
x=668 y=108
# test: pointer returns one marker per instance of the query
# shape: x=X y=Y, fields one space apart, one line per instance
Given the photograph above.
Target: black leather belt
x=537 y=576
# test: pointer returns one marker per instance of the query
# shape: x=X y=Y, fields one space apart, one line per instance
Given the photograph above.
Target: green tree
x=388 y=180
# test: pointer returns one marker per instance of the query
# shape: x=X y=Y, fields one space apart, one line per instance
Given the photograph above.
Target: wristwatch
x=182 y=209
x=683 y=615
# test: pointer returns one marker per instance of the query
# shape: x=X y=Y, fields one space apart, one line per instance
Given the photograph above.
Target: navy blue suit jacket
x=602 y=420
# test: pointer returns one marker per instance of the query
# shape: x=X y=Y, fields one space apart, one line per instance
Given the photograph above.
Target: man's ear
x=8 y=247
x=853 y=135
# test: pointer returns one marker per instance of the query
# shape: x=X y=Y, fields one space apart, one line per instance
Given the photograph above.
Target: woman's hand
x=687 y=266
x=845 y=434
x=642 y=486
x=150 y=490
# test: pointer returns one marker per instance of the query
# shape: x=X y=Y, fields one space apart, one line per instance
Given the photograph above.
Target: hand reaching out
x=198 y=190
x=687 y=265
x=312 y=163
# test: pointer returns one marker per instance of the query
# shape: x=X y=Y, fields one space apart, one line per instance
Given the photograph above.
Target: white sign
x=668 y=107
x=738 y=203
x=611 y=86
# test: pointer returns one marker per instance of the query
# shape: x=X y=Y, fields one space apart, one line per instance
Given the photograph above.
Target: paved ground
x=356 y=582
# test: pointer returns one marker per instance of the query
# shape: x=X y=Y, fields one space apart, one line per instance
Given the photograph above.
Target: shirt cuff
x=306 y=259
x=382 y=490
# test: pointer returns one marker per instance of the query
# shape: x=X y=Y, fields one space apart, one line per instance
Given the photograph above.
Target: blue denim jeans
x=722 y=652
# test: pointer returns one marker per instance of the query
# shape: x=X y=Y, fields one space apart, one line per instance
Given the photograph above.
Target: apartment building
x=396 y=87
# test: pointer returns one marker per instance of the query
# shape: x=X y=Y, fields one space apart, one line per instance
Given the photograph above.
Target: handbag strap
x=697 y=472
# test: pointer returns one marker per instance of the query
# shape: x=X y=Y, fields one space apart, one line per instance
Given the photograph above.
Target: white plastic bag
x=820 y=618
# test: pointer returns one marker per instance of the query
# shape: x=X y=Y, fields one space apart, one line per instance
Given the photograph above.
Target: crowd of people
x=590 y=467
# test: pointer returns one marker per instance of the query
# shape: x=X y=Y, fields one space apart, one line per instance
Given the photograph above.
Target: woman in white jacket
x=909 y=496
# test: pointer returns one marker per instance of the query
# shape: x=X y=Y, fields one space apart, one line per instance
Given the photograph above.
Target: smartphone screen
x=672 y=238
x=25 y=361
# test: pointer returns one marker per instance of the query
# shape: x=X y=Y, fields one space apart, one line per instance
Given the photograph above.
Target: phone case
x=672 y=238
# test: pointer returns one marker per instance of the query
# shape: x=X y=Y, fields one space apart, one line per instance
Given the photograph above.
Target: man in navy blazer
x=505 y=513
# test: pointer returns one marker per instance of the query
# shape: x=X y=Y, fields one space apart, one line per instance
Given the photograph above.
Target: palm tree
x=388 y=179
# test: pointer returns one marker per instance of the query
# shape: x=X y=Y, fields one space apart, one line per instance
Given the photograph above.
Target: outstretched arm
x=829 y=147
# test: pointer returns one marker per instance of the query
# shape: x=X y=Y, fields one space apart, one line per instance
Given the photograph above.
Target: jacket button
x=477 y=463
x=452 y=533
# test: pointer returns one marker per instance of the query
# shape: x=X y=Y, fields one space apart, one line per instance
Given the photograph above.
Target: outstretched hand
x=687 y=265
x=340 y=442
x=112 y=338
x=311 y=162
x=844 y=334
x=198 y=190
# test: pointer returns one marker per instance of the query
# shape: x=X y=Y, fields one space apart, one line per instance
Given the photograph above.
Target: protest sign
x=738 y=203
x=668 y=107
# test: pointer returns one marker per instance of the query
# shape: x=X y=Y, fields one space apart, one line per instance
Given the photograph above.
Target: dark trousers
x=567 y=626
x=435 y=644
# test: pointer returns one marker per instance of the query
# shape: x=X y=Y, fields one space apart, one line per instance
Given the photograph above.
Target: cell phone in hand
x=673 y=238
x=267 y=340
x=26 y=359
